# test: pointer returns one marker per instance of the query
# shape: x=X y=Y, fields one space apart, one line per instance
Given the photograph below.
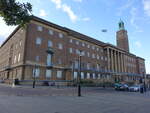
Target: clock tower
x=122 y=37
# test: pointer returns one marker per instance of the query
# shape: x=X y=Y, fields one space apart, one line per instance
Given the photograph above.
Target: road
x=64 y=100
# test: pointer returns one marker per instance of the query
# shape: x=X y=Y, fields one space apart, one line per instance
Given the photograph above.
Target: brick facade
x=51 y=52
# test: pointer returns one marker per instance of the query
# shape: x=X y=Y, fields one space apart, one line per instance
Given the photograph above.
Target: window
x=38 y=41
x=59 y=61
x=88 y=46
x=99 y=76
x=98 y=57
x=37 y=58
x=60 y=35
x=50 y=44
x=83 y=53
x=101 y=50
x=15 y=59
x=71 y=41
x=105 y=58
x=75 y=75
x=51 y=32
x=83 y=44
x=36 y=72
x=59 y=74
x=70 y=50
x=77 y=42
x=88 y=54
x=76 y=64
x=93 y=55
x=77 y=51
x=39 y=28
x=102 y=58
x=93 y=47
x=48 y=73
x=88 y=75
x=60 y=46
x=88 y=65
x=94 y=76
x=49 y=60
x=97 y=65
x=97 y=49
x=82 y=75
x=19 y=57
x=20 y=43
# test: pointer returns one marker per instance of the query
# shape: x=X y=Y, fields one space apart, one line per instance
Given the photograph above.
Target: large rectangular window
x=59 y=74
x=49 y=60
x=75 y=75
x=36 y=72
x=38 y=41
x=50 y=44
x=48 y=73
x=39 y=28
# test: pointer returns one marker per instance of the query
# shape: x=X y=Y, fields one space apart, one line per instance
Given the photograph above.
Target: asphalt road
x=64 y=100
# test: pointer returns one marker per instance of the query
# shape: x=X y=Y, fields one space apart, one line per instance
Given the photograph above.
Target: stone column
x=108 y=59
x=112 y=61
x=115 y=54
x=122 y=63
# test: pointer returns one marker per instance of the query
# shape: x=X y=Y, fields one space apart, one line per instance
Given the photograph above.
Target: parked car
x=134 y=88
x=121 y=87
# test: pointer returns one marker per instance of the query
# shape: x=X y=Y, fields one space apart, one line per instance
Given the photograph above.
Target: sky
x=91 y=16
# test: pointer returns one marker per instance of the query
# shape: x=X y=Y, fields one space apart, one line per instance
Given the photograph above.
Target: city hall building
x=51 y=52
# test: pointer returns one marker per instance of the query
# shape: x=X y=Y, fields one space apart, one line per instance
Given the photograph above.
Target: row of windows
x=90 y=76
x=60 y=35
x=71 y=50
x=37 y=71
x=86 y=45
x=51 y=32
x=59 y=74
x=50 y=43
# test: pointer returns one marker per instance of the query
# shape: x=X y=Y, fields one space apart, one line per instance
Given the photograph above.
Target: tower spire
x=121 y=25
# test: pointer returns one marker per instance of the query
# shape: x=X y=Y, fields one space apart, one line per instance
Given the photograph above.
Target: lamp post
x=144 y=85
x=34 y=76
x=79 y=75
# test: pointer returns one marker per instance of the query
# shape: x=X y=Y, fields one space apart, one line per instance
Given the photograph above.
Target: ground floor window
x=99 y=76
x=82 y=75
x=48 y=73
x=88 y=75
x=36 y=72
x=94 y=76
x=75 y=74
x=59 y=74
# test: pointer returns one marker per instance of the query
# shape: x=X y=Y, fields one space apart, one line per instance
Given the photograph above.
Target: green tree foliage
x=15 y=13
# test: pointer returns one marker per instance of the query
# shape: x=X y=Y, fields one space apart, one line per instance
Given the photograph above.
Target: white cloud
x=146 y=5
x=5 y=30
x=58 y=3
x=86 y=19
x=42 y=13
x=138 y=44
x=69 y=12
x=67 y=9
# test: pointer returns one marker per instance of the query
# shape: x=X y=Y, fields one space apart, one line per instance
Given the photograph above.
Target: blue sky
x=91 y=16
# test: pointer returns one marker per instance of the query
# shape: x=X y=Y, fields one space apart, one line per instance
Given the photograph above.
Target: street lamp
x=34 y=76
x=79 y=74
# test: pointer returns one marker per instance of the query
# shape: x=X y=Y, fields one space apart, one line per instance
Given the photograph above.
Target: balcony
x=50 y=50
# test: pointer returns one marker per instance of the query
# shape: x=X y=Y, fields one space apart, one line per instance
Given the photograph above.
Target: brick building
x=51 y=52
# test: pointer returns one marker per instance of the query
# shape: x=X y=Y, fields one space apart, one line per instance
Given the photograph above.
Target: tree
x=15 y=13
